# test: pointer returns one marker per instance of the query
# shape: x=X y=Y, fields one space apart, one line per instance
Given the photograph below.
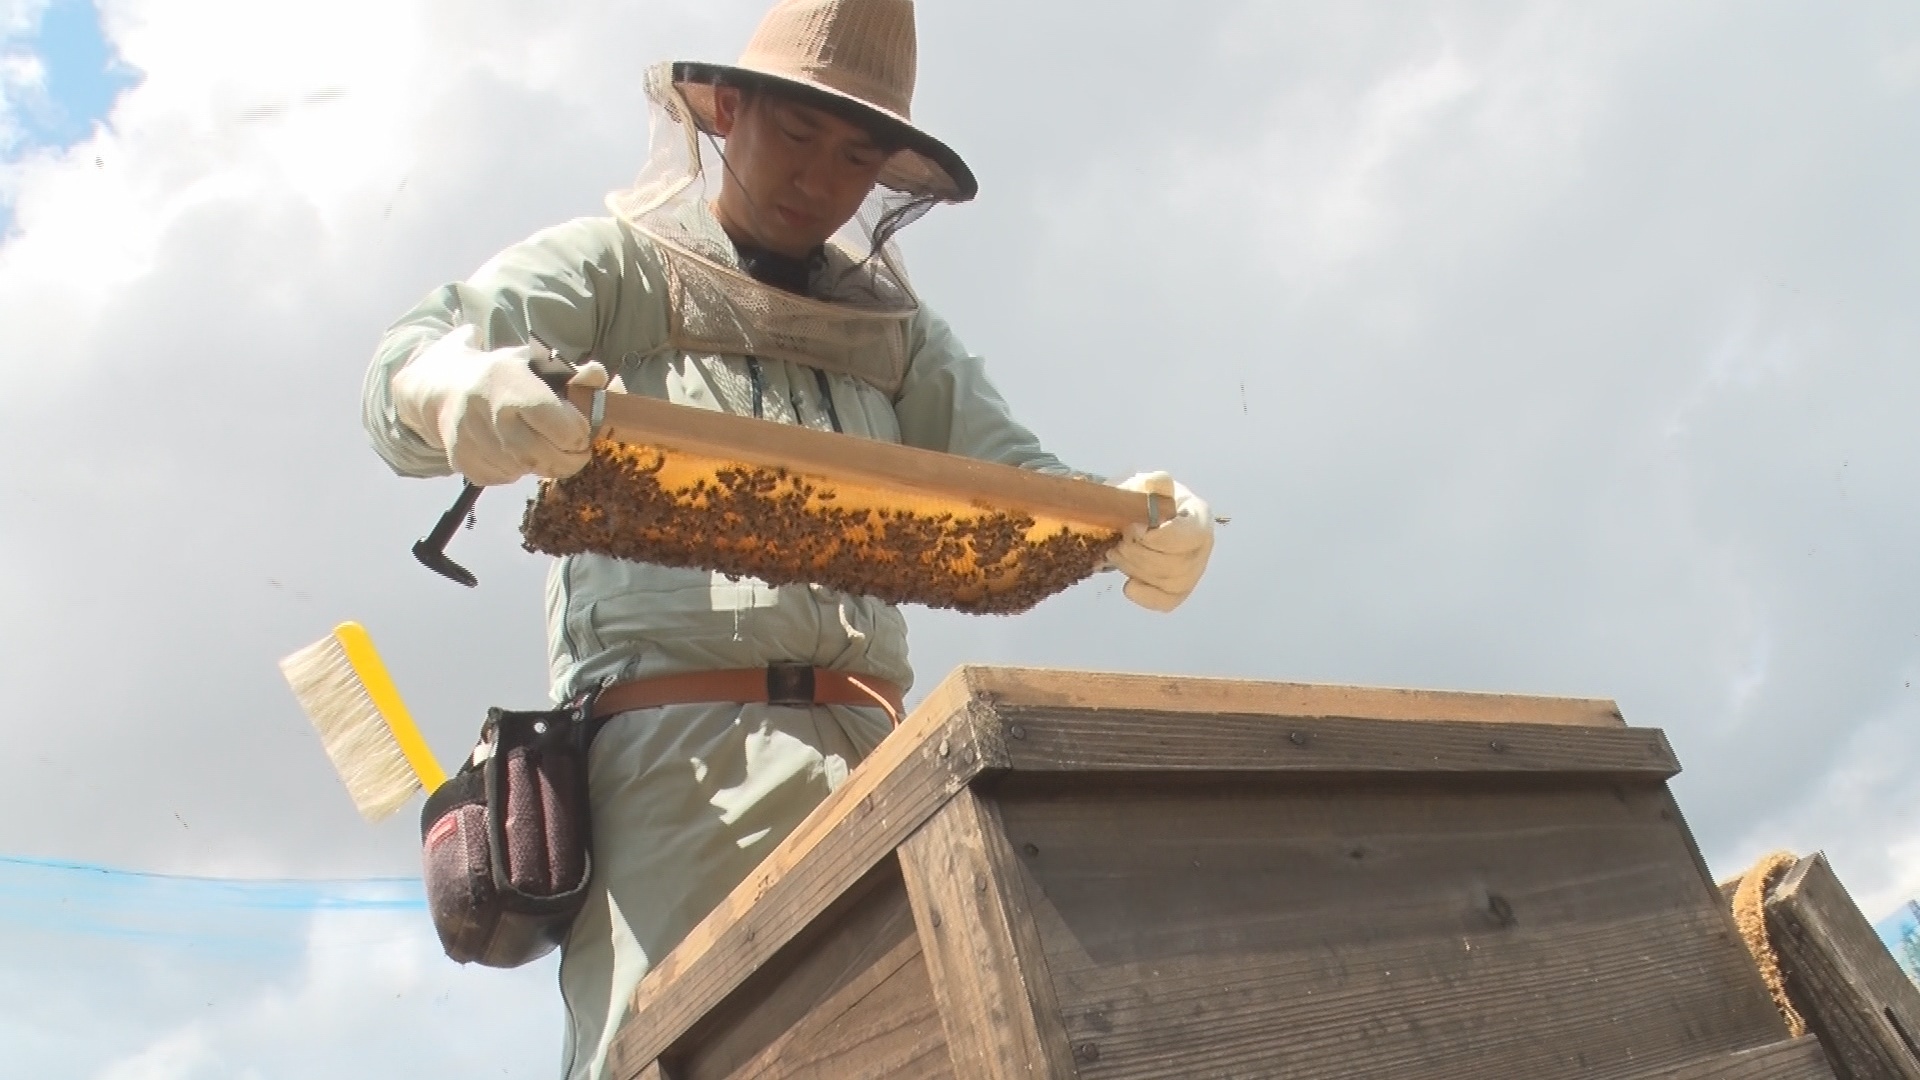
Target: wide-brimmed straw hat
x=853 y=58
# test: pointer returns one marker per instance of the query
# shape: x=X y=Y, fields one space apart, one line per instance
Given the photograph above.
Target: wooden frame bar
x=1099 y=690
x=1075 y=741
x=1841 y=978
x=1792 y=1059
x=950 y=478
x=983 y=953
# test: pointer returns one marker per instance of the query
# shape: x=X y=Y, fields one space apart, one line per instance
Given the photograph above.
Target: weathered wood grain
x=1049 y=687
x=1054 y=739
x=983 y=952
x=911 y=774
x=963 y=734
x=1841 y=978
x=1428 y=931
x=947 y=478
x=854 y=1004
x=1793 y=1059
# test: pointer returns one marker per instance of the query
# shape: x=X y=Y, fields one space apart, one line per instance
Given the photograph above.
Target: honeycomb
x=677 y=508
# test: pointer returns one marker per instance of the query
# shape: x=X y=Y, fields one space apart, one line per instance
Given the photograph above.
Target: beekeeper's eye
x=866 y=157
x=796 y=125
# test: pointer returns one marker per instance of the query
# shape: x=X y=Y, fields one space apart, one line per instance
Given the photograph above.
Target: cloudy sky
x=1550 y=347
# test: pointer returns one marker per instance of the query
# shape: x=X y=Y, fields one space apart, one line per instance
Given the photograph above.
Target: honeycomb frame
x=683 y=486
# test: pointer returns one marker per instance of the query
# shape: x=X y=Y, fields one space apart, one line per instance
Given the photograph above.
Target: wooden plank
x=886 y=1030
x=983 y=951
x=1191 y=694
x=1791 y=1059
x=948 y=742
x=1425 y=930
x=911 y=471
x=912 y=773
x=855 y=1003
x=1841 y=978
x=1059 y=740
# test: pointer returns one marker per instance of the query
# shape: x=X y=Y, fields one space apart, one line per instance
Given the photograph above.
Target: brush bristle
x=355 y=736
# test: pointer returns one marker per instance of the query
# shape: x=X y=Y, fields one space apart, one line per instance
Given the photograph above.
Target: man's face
x=796 y=173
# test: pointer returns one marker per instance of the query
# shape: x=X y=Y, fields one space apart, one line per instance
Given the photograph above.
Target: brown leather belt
x=775 y=684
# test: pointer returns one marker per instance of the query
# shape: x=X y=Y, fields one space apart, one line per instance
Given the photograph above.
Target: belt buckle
x=790 y=684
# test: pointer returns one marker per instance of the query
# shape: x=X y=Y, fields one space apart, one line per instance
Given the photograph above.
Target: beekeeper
x=751 y=270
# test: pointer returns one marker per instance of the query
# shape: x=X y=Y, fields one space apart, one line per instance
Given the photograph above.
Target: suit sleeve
x=947 y=403
x=576 y=287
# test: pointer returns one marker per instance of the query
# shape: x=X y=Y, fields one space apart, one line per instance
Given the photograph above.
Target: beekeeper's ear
x=727 y=101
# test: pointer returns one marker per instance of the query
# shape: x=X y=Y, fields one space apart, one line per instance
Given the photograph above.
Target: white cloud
x=1350 y=146
x=20 y=16
x=1899 y=66
x=21 y=75
x=1565 y=400
x=1554 y=348
x=375 y=996
x=180 y=1055
x=1855 y=809
x=307 y=111
x=201 y=283
x=215 y=980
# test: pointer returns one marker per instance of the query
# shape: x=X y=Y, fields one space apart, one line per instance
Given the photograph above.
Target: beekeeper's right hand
x=495 y=419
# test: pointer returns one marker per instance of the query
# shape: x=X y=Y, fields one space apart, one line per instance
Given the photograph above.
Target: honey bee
x=782 y=528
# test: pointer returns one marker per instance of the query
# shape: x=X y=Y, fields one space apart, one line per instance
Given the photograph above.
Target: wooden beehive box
x=1047 y=874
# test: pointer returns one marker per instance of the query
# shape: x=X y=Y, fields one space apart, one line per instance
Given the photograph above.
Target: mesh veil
x=855 y=320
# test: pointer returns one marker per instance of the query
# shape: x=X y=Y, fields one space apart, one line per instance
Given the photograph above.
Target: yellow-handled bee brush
x=364 y=726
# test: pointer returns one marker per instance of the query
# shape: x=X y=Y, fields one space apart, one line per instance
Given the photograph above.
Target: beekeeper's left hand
x=1164 y=563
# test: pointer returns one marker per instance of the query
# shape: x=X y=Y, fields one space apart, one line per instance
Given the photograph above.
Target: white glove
x=1164 y=563
x=496 y=419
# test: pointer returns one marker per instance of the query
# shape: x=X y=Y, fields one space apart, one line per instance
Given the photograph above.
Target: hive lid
x=1104 y=690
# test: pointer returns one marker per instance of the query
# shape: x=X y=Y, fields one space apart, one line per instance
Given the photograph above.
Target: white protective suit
x=688 y=799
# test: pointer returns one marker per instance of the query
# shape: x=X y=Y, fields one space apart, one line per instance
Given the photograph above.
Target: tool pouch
x=506 y=841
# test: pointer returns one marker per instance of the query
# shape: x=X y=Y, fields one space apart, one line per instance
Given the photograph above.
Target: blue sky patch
x=1900 y=932
x=44 y=899
x=84 y=75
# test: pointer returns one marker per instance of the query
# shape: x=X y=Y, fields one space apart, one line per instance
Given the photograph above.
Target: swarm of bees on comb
x=680 y=509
